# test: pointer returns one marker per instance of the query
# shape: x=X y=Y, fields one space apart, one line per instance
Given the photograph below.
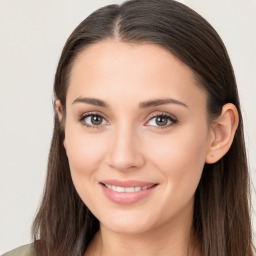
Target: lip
x=127 y=198
x=127 y=183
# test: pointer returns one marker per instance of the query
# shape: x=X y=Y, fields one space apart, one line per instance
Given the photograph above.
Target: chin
x=127 y=224
x=127 y=229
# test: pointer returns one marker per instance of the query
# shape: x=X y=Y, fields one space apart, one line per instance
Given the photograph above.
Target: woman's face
x=136 y=122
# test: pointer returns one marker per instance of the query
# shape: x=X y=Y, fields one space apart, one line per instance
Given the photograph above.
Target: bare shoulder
x=25 y=250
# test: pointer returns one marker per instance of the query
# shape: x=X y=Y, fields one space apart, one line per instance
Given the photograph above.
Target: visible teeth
x=136 y=189
x=120 y=189
x=127 y=190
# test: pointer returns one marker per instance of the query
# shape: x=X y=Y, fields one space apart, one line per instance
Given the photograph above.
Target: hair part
x=221 y=221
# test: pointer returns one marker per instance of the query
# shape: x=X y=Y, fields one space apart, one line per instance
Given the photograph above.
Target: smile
x=127 y=189
x=127 y=192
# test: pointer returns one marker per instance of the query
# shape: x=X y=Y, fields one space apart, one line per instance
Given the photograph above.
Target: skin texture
x=130 y=144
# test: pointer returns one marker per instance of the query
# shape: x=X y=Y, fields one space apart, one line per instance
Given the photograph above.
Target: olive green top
x=24 y=250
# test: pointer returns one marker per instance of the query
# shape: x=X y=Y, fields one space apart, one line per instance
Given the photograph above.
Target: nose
x=125 y=153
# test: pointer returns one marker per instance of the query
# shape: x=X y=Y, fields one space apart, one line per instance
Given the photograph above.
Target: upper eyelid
x=90 y=113
x=162 y=114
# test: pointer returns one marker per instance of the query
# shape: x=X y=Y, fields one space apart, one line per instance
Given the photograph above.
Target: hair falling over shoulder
x=221 y=224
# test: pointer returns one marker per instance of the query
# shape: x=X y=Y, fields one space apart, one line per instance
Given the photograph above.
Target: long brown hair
x=64 y=225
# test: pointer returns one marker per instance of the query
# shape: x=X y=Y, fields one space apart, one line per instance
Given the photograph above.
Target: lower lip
x=126 y=197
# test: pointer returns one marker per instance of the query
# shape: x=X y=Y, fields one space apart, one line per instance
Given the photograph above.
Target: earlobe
x=223 y=131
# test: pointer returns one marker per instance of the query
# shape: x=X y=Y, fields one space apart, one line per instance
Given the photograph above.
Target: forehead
x=112 y=70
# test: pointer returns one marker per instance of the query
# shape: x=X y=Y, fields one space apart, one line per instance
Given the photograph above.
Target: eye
x=93 y=120
x=162 y=120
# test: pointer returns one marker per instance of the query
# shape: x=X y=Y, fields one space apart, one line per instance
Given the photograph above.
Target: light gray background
x=32 y=34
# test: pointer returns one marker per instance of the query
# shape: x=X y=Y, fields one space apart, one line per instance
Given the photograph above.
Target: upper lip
x=127 y=183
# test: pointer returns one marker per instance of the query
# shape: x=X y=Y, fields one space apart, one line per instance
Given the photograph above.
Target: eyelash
x=85 y=115
x=162 y=114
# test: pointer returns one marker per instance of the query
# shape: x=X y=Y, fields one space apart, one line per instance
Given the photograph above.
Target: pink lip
x=126 y=198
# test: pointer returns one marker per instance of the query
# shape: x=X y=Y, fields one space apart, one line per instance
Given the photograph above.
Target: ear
x=59 y=111
x=222 y=133
x=58 y=108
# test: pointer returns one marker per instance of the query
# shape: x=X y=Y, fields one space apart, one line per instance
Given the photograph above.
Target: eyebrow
x=144 y=104
x=158 y=102
x=92 y=101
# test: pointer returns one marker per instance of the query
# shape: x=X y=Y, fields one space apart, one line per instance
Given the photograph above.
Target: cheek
x=83 y=150
x=184 y=147
x=85 y=153
x=180 y=157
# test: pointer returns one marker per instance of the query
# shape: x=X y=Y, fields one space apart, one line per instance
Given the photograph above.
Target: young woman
x=147 y=156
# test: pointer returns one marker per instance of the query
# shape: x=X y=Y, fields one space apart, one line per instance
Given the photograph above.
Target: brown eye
x=96 y=120
x=93 y=120
x=161 y=120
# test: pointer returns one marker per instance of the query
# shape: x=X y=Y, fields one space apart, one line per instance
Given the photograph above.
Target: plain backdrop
x=32 y=34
